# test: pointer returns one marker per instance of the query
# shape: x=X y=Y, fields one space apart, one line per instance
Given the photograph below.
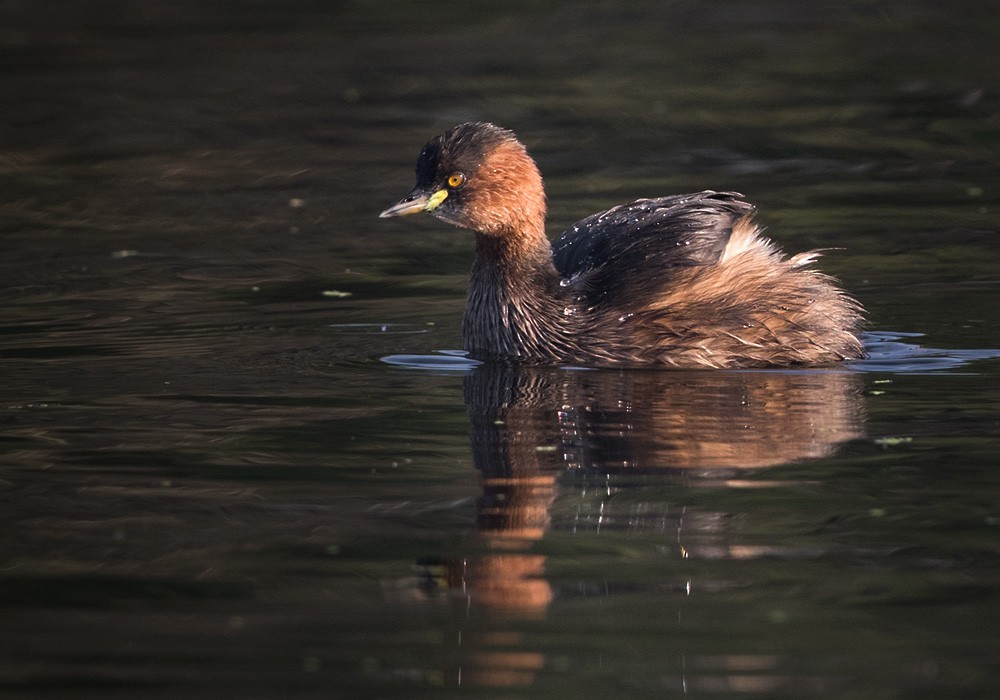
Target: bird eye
x=456 y=180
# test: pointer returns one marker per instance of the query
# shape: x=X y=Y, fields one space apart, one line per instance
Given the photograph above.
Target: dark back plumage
x=650 y=237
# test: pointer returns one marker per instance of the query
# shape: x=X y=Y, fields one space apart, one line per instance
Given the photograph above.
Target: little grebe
x=686 y=281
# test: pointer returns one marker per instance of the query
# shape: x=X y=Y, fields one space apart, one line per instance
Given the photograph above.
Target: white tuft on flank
x=745 y=237
x=805 y=259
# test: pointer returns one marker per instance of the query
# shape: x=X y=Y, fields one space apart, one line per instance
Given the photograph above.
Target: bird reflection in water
x=530 y=425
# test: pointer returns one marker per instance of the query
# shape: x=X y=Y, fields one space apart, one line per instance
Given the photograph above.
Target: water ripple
x=887 y=352
x=376 y=328
x=890 y=352
x=447 y=360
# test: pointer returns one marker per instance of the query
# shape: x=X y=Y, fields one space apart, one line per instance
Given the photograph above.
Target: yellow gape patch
x=435 y=199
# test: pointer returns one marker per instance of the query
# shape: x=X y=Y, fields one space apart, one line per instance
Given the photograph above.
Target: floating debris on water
x=893 y=441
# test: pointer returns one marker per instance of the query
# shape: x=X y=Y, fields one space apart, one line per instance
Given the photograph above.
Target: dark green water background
x=214 y=486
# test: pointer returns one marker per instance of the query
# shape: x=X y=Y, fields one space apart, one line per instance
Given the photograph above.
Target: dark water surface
x=239 y=462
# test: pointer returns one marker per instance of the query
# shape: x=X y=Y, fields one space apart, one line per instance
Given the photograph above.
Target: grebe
x=685 y=281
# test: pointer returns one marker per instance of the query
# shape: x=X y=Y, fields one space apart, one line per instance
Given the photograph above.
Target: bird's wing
x=605 y=255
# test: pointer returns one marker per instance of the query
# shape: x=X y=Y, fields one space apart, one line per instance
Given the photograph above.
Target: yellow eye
x=456 y=180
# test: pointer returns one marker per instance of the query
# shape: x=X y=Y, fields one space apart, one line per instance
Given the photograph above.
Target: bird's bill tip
x=414 y=203
x=407 y=205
